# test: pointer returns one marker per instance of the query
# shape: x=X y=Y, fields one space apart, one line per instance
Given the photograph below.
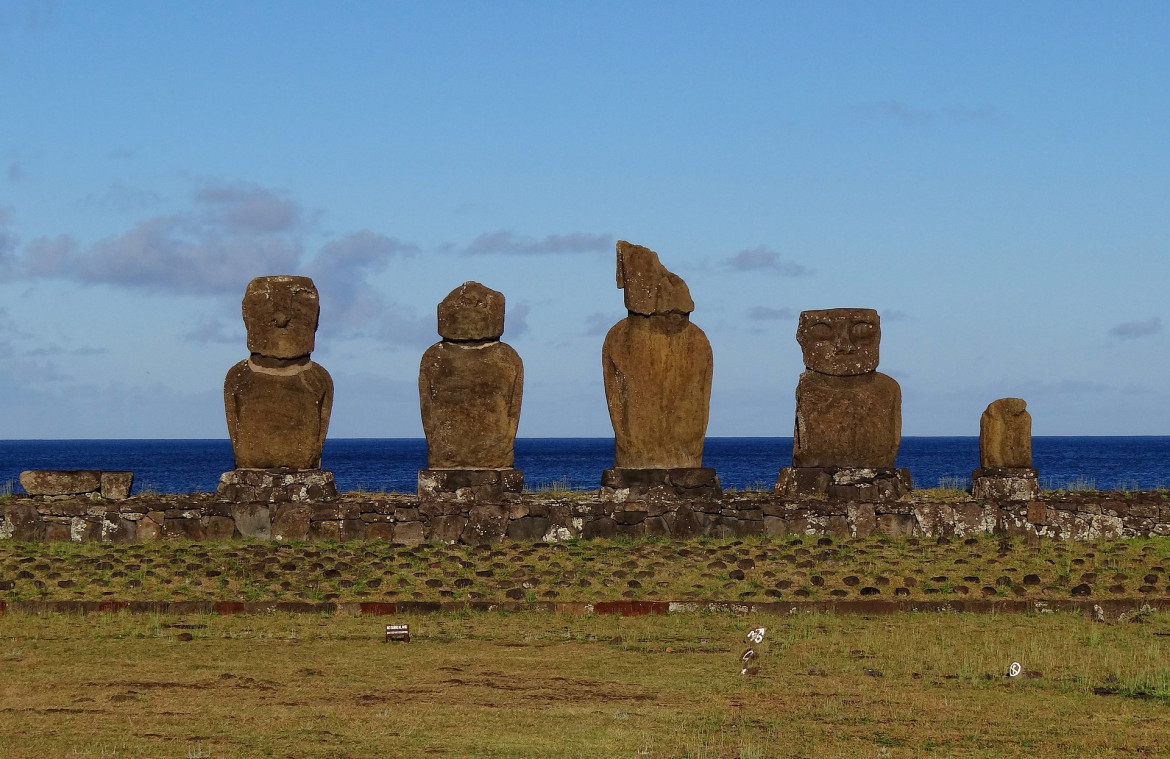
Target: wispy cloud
x=14 y=171
x=230 y=234
x=509 y=243
x=598 y=323
x=349 y=304
x=1136 y=329
x=122 y=197
x=213 y=329
x=227 y=234
x=8 y=241
x=896 y=315
x=764 y=314
x=763 y=259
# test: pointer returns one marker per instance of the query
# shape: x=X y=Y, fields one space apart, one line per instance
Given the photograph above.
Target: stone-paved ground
x=755 y=569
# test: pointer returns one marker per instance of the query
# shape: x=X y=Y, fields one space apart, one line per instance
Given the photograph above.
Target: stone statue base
x=843 y=484
x=277 y=486
x=1005 y=484
x=469 y=485
x=690 y=483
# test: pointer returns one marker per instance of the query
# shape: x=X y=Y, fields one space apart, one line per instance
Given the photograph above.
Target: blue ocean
x=183 y=466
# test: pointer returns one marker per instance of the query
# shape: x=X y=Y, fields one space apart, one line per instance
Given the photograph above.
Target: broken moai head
x=1005 y=435
x=281 y=314
x=472 y=312
x=840 y=341
x=650 y=289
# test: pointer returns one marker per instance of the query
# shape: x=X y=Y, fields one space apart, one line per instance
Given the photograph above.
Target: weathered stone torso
x=470 y=396
x=277 y=418
x=850 y=422
x=1005 y=435
x=657 y=373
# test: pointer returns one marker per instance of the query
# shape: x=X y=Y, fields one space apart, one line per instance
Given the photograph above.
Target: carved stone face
x=281 y=315
x=650 y=287
x=472 y=312
x=840 y=341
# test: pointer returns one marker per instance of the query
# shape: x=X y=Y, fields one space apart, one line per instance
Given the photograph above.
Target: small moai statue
x=277 y=400
x=470 y=385
x=657 y=368
x=1005 y=453
x=848 y=414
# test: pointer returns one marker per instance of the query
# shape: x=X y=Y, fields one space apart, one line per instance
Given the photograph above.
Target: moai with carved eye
x=848 y=415
x=470 y=385
x=1005 y=453
x=657 y=368
x=277 y=400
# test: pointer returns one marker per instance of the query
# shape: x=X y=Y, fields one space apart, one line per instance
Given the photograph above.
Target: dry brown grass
x=528 y=685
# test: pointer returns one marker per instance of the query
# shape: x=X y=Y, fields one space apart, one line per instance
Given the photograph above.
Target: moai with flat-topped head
x=657 y=369
x=470 y=385
x=278 y=400
x=848 y=415
x=1005 y=453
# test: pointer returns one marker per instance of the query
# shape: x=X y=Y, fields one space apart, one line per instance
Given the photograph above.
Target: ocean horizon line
x=538 y=437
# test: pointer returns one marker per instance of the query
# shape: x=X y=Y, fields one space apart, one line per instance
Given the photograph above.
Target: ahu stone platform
x=405 y=518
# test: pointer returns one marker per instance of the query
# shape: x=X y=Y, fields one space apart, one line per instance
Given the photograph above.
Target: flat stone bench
x=112 y=486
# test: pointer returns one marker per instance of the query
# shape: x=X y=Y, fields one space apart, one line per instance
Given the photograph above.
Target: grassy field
x=540 y=685
x=756 y=569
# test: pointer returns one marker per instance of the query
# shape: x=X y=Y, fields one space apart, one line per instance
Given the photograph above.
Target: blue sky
x=993 y=177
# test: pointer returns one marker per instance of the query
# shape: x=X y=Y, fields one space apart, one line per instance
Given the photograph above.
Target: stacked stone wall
x=404 y=518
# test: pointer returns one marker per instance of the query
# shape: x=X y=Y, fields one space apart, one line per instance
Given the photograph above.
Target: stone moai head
x=840 y=341
x=1005 y=435
x=650 y=289
x=471 y=313
x=281 y=316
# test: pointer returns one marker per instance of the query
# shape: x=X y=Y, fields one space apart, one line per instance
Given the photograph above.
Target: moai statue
x=278 y=400
x=1005 y=453
x=657 y=370
x=848 y=415
x=469 y=387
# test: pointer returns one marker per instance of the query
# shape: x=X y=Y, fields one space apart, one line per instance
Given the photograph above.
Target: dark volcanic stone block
x=1005 y=484
x=61 y=481
x=277 y=486
x=24 y=523
x=837 y=484
x=701 y=483
x=468 y=485
x=115 y=486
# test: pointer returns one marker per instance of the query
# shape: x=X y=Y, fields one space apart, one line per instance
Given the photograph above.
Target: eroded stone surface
x=649 y=287
x=278 y=401
x=842 y=342
x=620 y=485
x=1005 y=435
x=280 y=313
x=657 y=369
x=471 y=385
x=844 y=484
x=277 y=486
x=116 y=485
x=60 y=481
x=469 y=485
x=1005 y=484
x=852 y=421
x=471 y=312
